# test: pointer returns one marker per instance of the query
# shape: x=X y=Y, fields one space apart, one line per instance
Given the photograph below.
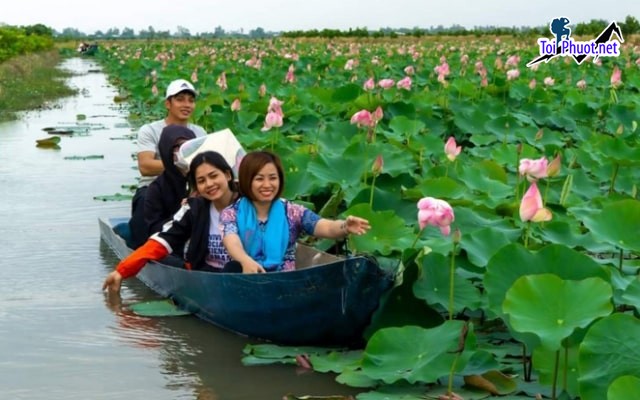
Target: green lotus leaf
x=473 y=123
x=483 y=140
x=336 y=361
x=608 y=351
x=388 y=232
x=618 y=150
x=544 y=362
x=430 y=356
x=631 y=295
x=482 y=244
x=442 y=188
x=513 y=261
x=624 y=388
x=405 y=126
x=503 y=127
x=481 y=362
x=113 y=197
x=341 y=169
x=552 y=308
x=617 y=224
x=467 y=393
x=433 y=285
x=346 y=93
x=356 y=378
x=159 y=308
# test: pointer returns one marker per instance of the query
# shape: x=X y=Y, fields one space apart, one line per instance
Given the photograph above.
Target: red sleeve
x=151 y=250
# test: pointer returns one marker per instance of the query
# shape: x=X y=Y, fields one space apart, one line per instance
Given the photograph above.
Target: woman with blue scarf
x=260 y=230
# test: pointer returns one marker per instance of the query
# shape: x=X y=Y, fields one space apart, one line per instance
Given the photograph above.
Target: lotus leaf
x=608 y=351
x=617 y=224
x=430 y=356
x=624 y=388
x=552 y=308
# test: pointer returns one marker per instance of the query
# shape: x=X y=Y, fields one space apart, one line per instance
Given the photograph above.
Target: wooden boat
x=327 y=301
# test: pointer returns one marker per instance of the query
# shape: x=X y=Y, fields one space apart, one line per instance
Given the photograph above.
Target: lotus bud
x=553 y=168
x=378 y=164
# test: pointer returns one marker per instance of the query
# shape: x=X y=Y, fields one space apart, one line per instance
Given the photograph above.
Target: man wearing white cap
x=180 y=101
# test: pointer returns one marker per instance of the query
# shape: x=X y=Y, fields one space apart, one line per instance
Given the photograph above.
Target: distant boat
x=327 y=301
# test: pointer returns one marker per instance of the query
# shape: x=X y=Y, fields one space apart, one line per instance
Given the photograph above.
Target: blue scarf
x=266 y=244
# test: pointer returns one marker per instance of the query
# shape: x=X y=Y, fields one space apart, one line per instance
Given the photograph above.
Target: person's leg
x=137 y=225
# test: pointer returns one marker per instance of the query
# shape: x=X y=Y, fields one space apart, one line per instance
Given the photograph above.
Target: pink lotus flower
x=350 y=64
x=275 y=106
x=464 y=59
x=616 y=77
x=513 y=74
x=404 y=83
x=290 y=77
x=377 y=115
x=451 y=149
x=531 y=207
x=549 y=81
x=532 y=84
x=272 y=120
x=386 y=83
x=533 y=169
x=409 y=70
x=194 y=76
x=222 y=81
x=154 y=75
x=435 y=212
x=512 y=61
x=262 y=90
x=369 y=85
x=581 y=84
x=362 y=118
x=236 y=106
x=154 y=90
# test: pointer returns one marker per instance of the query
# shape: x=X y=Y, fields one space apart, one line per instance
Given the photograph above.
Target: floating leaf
x=609 y=350
x=114 y=197
x=618 y=224
x=552 y=308
x=624 y=388
x=158 y=308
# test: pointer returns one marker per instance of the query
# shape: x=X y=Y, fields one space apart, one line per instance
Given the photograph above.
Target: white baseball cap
x=180 y=85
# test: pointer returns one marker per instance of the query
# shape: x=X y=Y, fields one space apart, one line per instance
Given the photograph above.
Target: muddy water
x=59 y=336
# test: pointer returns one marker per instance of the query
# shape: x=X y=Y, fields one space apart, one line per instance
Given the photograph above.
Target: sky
x=197 y=16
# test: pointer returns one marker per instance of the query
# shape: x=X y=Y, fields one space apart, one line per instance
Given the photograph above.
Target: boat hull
x=326 y=304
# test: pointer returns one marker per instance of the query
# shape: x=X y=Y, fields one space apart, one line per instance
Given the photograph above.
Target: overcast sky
x=284 y=15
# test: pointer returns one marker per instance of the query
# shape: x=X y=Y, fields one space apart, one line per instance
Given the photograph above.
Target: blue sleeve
x=309 y=221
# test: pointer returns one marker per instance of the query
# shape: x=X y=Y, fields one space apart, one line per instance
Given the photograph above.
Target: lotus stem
x=452 y=270
x=566 y=366
x=555 y=376
x=373 y=186
x=450 y=383
x=620 y=260
x=526 y=234
x=613 y=177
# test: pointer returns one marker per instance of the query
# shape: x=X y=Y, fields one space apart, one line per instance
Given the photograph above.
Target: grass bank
x=31 y=82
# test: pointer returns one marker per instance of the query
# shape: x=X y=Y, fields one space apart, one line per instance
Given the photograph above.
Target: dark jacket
x=165 y=193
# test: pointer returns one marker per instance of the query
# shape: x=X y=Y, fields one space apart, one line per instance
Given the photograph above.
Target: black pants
x=137 y=226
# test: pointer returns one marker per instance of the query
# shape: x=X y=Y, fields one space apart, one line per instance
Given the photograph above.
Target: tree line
x=589 y=29
x=18 y=40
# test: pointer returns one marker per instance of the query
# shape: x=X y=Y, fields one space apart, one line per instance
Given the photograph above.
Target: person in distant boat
x=260 y=230
x=180 y=102
x=197 y=222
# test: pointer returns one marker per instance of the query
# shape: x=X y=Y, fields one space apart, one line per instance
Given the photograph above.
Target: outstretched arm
x=336 y=229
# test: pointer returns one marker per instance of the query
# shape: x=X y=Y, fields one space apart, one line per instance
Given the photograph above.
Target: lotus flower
x=616 y=77
x=369 y=85
x=404 y=83
x=435 y=212
x=549 y=81
x=451 y=149
x=378 y=165
x=236 y=106
x=409 y=70
x=271 y=120
x=222 y=81
x=531 y=208
x=362 y=118
x=533 y=169
x=386 y=83
x=581 y=84
x=553 y=169
x=513 y=74
x=532 y=84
